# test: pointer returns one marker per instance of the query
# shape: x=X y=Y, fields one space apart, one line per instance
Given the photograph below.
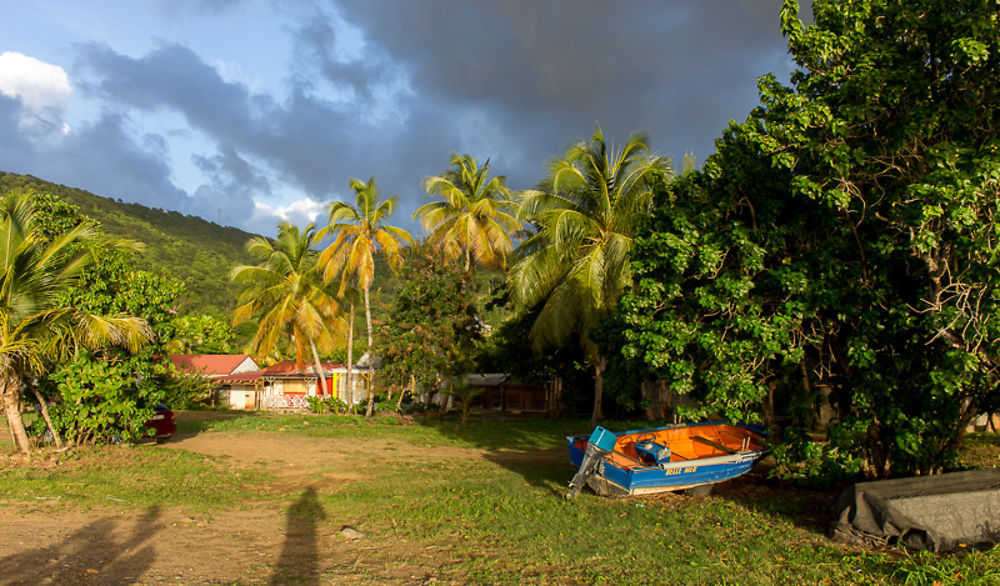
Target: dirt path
x=263 y=543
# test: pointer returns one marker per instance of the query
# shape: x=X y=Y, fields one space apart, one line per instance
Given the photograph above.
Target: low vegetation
x=484 y=503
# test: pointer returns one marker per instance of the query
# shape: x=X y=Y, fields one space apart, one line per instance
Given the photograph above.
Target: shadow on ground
x=534 y=447
x=299 y=559
x=94 y=554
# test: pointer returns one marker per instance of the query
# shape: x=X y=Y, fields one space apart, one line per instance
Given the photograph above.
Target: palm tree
x=285 y=290
x=576 y=265
x=476 y=216
x=360 y=231
x=34 y=326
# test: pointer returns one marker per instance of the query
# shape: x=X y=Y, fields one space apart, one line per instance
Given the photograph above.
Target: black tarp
x=937 y=513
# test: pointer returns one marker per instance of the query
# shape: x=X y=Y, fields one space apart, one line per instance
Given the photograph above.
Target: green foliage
x=37 y=326
x=475 y=218
x=818 y=464
x=201 y=334
x=326 y=405
x=97 y=400
x=575 y=267
x=431 y=329
x=185 y=391
x=110 y=391
x=285 y=293
x=465 y=394
x=845 y=230
x=187 y=248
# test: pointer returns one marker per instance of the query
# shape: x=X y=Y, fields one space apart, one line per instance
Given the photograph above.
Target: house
x=286 y=385
x=216 y=366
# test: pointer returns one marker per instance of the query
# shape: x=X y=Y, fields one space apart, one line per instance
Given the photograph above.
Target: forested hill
x=188 y=248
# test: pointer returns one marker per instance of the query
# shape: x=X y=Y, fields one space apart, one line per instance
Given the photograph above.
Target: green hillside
x=188 y=248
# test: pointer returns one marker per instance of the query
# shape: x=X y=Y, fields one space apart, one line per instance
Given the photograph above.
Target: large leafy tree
x=285 y=292
x=475 y=217
x=844 y=237
x=360 y=231
x=36 y=327
x=431 y=328
x=108 y=390
x=577 y=263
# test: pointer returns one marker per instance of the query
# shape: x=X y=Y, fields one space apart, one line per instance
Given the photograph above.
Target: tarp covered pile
x=937 y=513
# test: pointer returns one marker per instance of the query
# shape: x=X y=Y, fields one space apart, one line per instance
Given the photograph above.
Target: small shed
x=503 y=394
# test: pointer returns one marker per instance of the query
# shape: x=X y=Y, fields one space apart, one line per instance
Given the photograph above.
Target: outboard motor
x=600 y=444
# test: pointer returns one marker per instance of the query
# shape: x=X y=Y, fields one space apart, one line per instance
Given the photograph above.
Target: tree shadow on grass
x=299 y=559
x=91 y=555
x=807 y=509
x=534 y=447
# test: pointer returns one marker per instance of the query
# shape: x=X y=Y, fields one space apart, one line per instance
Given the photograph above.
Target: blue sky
x=248 y=112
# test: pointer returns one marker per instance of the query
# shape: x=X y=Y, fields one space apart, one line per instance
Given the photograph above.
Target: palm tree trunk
x=350 y=358
x=320 y=379
x=10 y=389
x=371 y=359
x=602 y=363
x=48 y=420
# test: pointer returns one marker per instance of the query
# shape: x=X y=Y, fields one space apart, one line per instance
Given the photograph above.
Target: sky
x=252 y=112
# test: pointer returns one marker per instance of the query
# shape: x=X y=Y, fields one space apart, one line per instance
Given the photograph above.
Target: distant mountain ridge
x=190 y=249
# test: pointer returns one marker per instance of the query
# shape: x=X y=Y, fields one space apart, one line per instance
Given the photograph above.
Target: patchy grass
x=484 y=503
x=139 y=476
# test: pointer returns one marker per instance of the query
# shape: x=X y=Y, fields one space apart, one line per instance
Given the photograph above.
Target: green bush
x=326 y=405
x=97 y=400
x=818 y=464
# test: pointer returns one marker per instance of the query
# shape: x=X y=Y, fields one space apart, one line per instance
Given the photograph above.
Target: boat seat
x=652 y=452
x=714 y=444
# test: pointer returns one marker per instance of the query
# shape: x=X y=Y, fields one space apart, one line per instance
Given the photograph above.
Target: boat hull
x=620 y=475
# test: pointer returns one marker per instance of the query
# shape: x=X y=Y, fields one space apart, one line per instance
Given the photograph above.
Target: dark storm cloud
x=229 y=170
x=306 y=140
x=679 y=70
x=310 y=142
x=101 y=157
x=15 y=149
x=516 y=81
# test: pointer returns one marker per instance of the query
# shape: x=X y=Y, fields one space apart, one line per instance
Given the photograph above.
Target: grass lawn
x=486 y=501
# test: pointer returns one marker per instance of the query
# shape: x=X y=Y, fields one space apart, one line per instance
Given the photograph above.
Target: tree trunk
x=45 y=415
x=371 y=359
x=402 y=391
x=320 y=379
x=602 y=363
x=350 y=359
x=10 y=388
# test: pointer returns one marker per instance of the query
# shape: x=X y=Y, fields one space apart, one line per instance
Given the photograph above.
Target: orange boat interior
x=684 y=443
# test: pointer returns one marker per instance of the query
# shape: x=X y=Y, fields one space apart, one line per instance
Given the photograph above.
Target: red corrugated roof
x=288 y=367
x=285 y=368
x=208 y=364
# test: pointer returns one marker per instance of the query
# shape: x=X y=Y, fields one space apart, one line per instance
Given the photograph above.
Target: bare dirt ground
x=263 y=543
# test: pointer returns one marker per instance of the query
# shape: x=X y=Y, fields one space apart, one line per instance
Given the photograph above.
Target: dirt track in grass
x=287 y=539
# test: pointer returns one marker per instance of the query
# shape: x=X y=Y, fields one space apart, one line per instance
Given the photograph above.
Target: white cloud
x=265 y=218
x=43 y=88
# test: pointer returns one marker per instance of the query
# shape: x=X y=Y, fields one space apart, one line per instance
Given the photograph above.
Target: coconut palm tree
x=286 y=292
x=34 y=326
x=359 y=232
x=575 y=267
x=476 y=216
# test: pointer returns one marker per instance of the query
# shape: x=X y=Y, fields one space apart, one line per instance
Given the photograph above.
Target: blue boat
x=680 y=457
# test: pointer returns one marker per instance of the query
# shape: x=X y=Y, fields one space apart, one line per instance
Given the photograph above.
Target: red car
x=162 y=423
